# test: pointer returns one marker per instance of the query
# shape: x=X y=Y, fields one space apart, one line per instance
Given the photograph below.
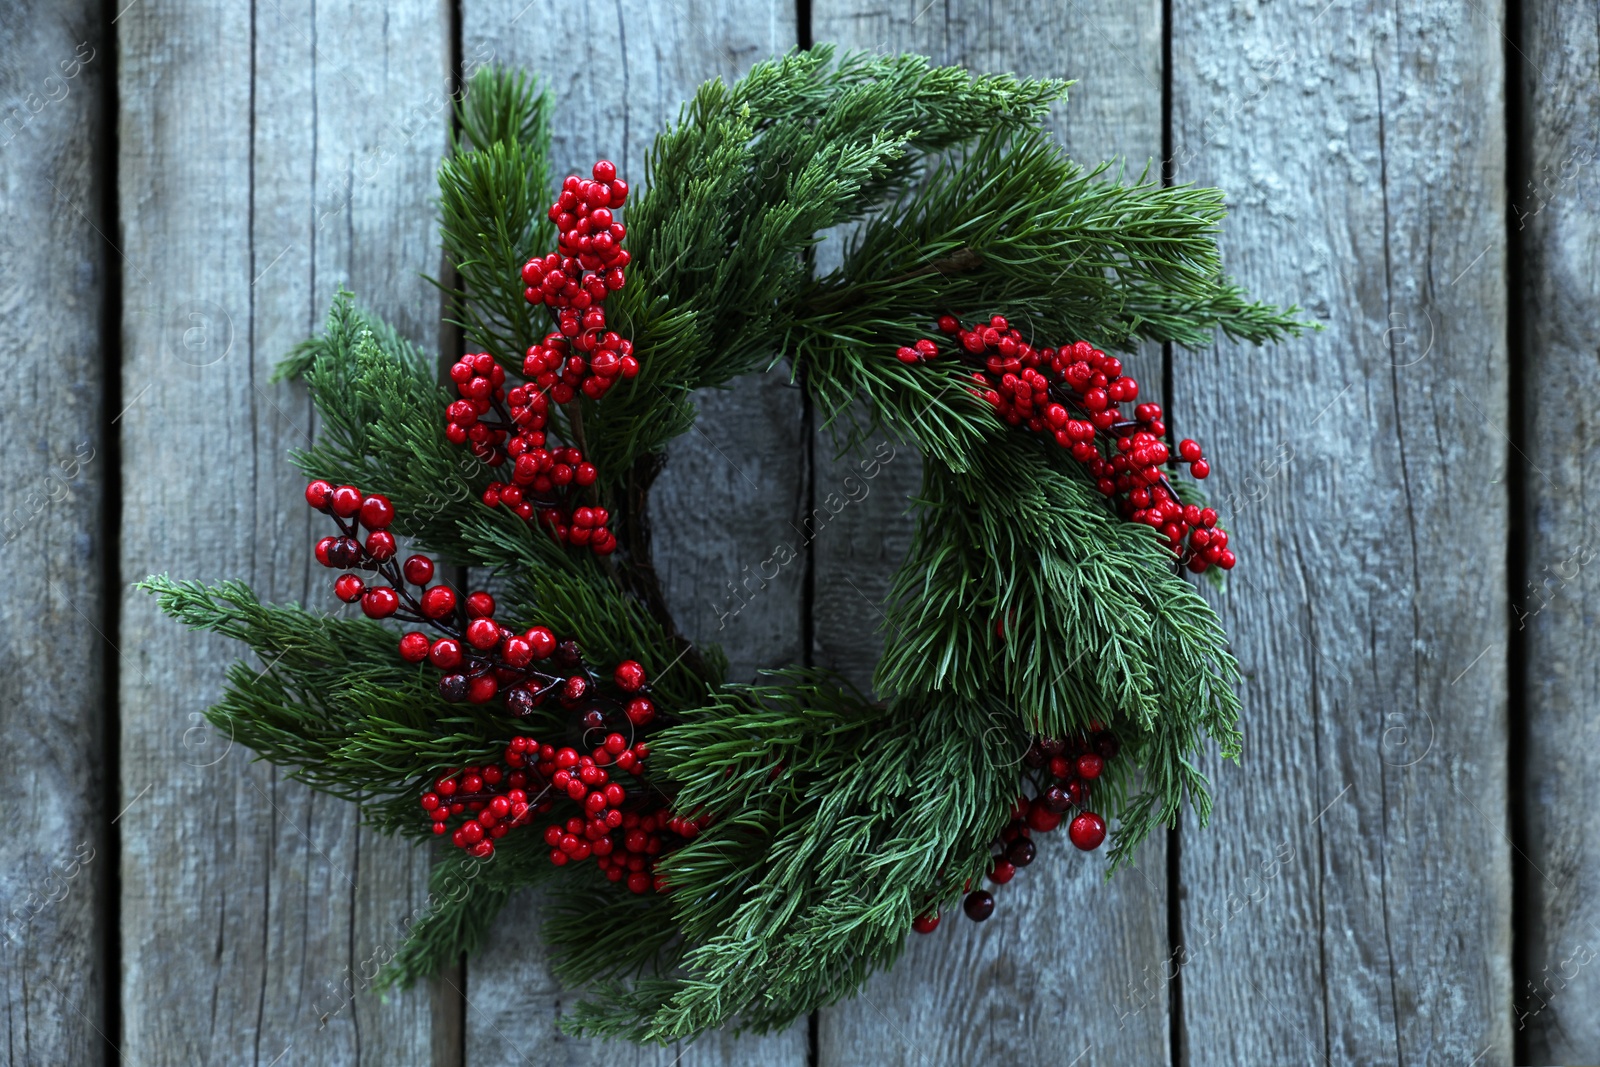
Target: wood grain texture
x=1558 y=998
x=267 y=157
x=53 y=288
x=1008 y=991
x=1351 y=901
x=732 y=487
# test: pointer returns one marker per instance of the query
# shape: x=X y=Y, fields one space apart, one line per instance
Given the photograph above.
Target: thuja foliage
x=1024 y=607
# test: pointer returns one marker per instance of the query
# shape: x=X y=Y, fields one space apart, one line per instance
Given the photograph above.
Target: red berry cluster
x=352 y=509
x=532 y=777
x=591 y=257
x=574 y=281
x=1063 y=773
x=545 y=484
x=624 y=844
x=481 y=658
x=494 y=798
x=545 y=481
x=1070 y=394
x=584 y=356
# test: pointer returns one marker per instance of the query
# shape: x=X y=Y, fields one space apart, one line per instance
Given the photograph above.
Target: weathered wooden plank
x=999 y=992
x=267 y=157
x=1556 y=999
x=732 y=486
x=1351 y=901
x=53 y=288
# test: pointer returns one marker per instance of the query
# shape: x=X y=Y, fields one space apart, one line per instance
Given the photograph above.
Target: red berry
x=445 y=653
x=317 y=494
x=926 y=923
x=1002 y=872
x=380 y=545
x=483 y=633
x=1090 y=765
x=604 y=171
x=516 y=651
x=640 y=711
x=1087 y=831
x=414 y=647
x=419 y=570
x=323 y=547
x=345 y=501
x=1188 y=450
x=482 y=689
x=376 y=512
x=438 y=602
x=479 y=605
x=1199 y=468
x=1041 y=818
x=542 y=641
x=629 y=676
x=380 y=602
x=349 y=588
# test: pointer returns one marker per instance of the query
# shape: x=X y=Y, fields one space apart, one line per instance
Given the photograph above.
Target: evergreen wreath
x=722 y=853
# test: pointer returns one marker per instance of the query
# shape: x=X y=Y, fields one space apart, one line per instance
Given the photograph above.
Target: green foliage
x=1024 y=606
x=837 y=822
x=494 y=190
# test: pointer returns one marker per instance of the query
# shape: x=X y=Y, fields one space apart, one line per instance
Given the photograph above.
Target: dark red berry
x=453 y=688
x=1021 y=852
x=978 y=905
x=926 y=923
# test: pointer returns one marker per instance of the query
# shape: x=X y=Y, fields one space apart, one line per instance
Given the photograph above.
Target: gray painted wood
x=732 y=487
x=1351 y=901
x=53 y=285
x=1012 y=989
x=1554 y=213
x=267 y=157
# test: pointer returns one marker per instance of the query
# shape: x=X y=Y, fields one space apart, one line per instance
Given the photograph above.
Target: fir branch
x=494 y=190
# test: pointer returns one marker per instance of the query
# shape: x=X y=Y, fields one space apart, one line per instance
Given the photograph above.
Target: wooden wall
x=1404 y=867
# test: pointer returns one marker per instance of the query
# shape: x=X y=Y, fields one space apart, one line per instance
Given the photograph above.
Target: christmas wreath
x=718 y=852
